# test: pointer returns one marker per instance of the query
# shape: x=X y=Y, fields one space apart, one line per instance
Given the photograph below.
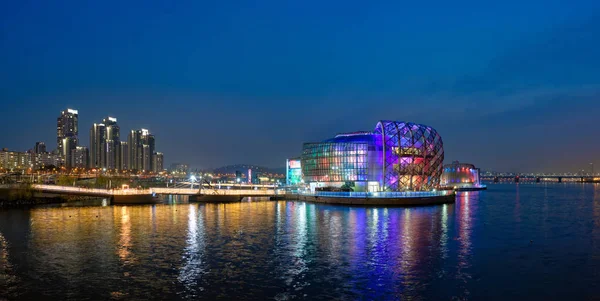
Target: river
x=511 y=242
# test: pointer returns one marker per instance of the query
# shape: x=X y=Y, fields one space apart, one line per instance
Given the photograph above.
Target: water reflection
x=464 y=200
x=248 y=250
x=596 y=228
x=124 y=246
x=7 y=278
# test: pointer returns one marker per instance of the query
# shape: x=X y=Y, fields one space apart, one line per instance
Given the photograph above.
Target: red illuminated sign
x=294 y=164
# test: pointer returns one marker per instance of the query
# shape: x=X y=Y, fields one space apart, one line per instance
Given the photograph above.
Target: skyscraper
x=149 y=147
x=157 y=162
x=80 y=157
x=135 y=148
x=141 y=149
x=112 y=145
x=97 y=141
x=124 y=155
x=67 y=127
x=69 y=146
x=105 y=144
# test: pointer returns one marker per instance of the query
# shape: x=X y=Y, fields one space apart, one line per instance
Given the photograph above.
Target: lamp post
x=238 y=182
x=192 y=179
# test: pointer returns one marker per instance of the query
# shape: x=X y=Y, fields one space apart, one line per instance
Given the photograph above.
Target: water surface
x=527 y=241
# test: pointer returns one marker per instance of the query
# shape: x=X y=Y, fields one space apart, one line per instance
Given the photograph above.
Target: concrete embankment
x=15 y=197
x=24 y=197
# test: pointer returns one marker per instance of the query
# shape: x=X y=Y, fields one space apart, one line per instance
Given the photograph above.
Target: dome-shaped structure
x=397 y=156
x=413 y=155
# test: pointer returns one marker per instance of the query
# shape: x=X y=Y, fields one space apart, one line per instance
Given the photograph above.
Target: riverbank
x=24 y=197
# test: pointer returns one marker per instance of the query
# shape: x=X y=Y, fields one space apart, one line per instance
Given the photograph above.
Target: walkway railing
x=156 y=190
x=188 y=191
x=97 y=191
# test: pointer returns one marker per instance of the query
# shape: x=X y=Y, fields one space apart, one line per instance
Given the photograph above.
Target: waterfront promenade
x=44 y=193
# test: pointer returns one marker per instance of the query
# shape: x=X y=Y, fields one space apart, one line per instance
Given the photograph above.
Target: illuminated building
x=69 y=147
x=293 y=172
x=460 y=175
x=112 y=145
x=15 y=160
x=158 y=159
x=41 y=160
x=141 y=148
x=124 y=154
x=67 y=127
x=396 y=156
x=80 y=157
x=40 y=147
x=97 y=139
x=179 y=168
x=105 y=144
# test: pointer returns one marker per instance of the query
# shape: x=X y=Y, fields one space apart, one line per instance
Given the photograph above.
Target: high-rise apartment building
x=105 y=144
x=97 y=141
x=124 y=155
x=141 y=149
x=80 y=157
x=112 y=144
x=67 y=127
x=69 y=147
x=157 y=162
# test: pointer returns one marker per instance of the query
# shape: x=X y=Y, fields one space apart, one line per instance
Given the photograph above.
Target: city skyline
x=509 y=87
x=105 y=150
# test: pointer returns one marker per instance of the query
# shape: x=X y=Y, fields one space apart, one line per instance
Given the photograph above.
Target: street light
x=192 y=179
x=238 y=181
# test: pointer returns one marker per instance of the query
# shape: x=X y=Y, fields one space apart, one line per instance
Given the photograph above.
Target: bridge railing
x=96 y=191
x=188 y=191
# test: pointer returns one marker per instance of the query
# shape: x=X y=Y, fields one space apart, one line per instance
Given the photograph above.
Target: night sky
x=510 y=85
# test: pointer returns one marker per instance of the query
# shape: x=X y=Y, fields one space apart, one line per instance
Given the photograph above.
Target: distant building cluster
x=179 y=168
x=107 y=150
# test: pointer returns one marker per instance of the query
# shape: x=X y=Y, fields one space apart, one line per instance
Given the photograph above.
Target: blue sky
x=512 y=85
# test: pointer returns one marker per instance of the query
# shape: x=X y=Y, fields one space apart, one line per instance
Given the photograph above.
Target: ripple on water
x=510 y=242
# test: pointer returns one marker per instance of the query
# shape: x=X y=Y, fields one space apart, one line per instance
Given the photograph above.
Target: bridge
x=538 y=178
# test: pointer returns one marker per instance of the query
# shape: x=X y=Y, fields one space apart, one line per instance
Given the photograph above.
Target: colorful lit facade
x=396 y=156
x=293 y=172
x=460 y=175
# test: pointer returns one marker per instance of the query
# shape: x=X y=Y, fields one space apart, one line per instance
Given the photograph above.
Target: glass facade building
x=396 y=156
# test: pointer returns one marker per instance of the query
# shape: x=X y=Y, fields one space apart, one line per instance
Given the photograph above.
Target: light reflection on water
x=505 y=242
